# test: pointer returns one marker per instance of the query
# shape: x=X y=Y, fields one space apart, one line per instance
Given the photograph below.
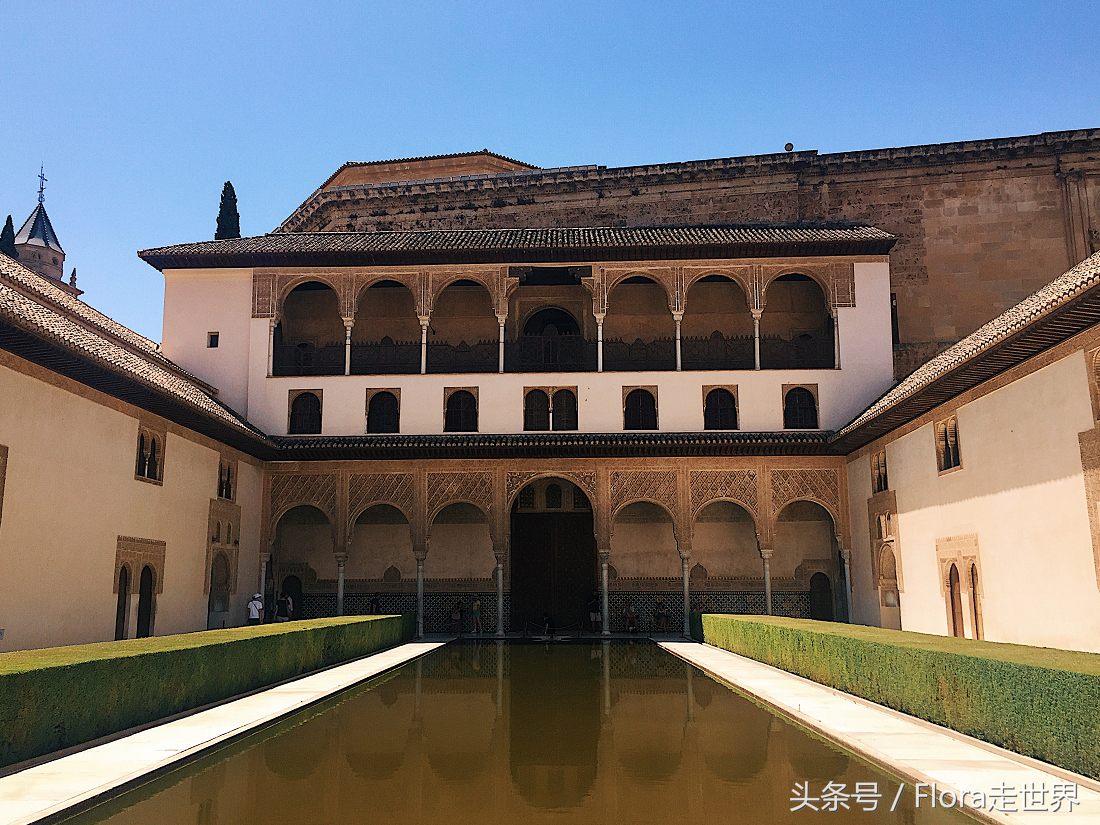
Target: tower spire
x=42 y=183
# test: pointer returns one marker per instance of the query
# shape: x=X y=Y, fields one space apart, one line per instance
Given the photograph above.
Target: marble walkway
x=904 y=746
x=76 y=779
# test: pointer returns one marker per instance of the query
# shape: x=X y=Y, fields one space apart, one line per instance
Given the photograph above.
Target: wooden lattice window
x=564 y=410
x=305 y=413
x=383 y=413
x=536 y=411
x=799 y=409
x=461 y=412
x=640 y=410
x=720 y=410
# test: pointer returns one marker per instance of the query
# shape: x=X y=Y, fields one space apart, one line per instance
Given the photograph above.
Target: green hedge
x=1037 y=701
x=57 y=697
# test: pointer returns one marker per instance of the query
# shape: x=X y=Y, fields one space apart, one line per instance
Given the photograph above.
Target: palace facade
x=636 y=419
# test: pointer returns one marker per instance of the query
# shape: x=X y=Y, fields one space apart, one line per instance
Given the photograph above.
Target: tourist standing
x=476 y=610
x=375 y=605
x=282 y=608
x=661 y=615
x=256 y=610
x=594 y=615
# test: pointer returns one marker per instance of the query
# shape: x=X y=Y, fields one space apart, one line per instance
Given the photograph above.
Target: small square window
x=211 y=340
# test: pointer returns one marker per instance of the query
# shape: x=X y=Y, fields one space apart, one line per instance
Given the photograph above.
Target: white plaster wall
x=866 y=360
x=865 y=599
x=1021 y=490
x=71 y=492
x=199 y=301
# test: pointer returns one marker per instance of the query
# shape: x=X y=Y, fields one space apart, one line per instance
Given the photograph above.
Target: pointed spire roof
x=38 y=231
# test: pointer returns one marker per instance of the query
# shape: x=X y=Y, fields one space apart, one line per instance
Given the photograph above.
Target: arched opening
x=975 y=603
x=309 y=338
x=304 y=548
x=381 y=542
x=460 y=546
x=890 y=605
x=461 y=414
x=717 y=330
x=796 y=330
x=146 y=602
x=720 y=410
x=551 y=321
x=799 y=409
x=305 y=414
x=383 y=413
x=536 y=411
x=640 y=411
x=463 y=333
x=217 y=606
x=152 y=467
x=638 y=330
x=292 y=586
x=386 y=335
x=551 y=341
x=122 y=608
x=564 y=410
x=955 y=594
x=643 y=546
x=806 y=545
x=724 y=546
x=553 y=562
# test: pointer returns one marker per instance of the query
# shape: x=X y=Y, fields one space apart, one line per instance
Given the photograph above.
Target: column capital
x=604 y=556
x=420 y=553
x=349 y=322
x=845 y=554
x=766 y=553
x=678 y=315
x=265 y=558
x=756 y=313
x=501 y=319
x=424 y=320
x=341 y=559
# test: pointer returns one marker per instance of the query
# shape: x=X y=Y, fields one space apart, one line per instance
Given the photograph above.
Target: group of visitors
x=630 y=615
x=284 y=608
x=458 y=615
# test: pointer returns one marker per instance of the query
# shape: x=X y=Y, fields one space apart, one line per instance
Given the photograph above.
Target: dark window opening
x=641 y=411
x=551 y=321
x=461 y=414
x=123 y=603
x=527 y=498
x=720 y=410
x=553 y=497
x=145 y=602
x=383 y=413
x=152 y=466
x=565 y=410
x=536 y=411
x=142 y=456
x=894 y=318
x=799 y=410
x=955 y=593
x=212 y=340
x=305 y=414
x=580 y=500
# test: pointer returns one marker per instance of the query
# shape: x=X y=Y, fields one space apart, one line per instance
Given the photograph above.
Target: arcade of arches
x=531 y=543
x=538 y=318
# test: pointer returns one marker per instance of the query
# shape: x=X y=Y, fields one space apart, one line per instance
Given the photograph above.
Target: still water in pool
x=524 y=733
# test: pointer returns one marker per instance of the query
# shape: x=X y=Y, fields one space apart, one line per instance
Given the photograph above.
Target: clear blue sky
x=141 y=111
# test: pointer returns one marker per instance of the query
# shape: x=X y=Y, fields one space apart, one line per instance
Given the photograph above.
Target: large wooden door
x=553 y=568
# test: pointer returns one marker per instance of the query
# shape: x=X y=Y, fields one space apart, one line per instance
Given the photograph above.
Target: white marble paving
x=909 y=748
x=51 y=787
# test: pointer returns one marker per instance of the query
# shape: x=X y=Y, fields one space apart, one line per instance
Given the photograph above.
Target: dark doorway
x=821 y=597
x=553 y=558
x=292 y=586
x=121 y=611
x=956 y=602
x=145 y=603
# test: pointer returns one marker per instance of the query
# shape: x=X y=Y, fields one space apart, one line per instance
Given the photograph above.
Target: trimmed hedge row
x=57 y=697
x=1040 y=702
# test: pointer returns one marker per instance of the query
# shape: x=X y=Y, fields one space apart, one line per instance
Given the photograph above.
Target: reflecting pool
x=523 y=733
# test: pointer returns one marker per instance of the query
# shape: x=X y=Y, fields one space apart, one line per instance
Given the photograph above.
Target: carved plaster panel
x=371 y=488
x=735 y=485
x=651 y=485
x=815 y=484
x=223 y=535
x=136 y=553
x=291 y=489
x=516 y=481
x=445 y=488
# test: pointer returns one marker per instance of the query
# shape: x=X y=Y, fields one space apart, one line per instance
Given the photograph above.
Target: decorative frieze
x=365 y=489
x=732 y=485
x=445 y=488
x=820 y=485
x=650 y=485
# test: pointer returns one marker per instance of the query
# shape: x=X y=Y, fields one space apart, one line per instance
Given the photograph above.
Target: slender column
x=500 y=320
x=599 y=343
x=766 y=555
x=420 y=555
x=836 y=339
x=756 y=313
x=423 y=344
x=846 y=555
x=500 y=596
x=264 y=559
x=348 y=324
x=605 y=556
x=272 y=323
x=678 y=317
x=685 y=568
x=341 y=560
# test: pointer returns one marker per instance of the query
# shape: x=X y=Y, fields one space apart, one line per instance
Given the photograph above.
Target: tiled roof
x=485 y=152
x=584 y=242
x=31 y=304
x=1044 y=316
x=38 y=231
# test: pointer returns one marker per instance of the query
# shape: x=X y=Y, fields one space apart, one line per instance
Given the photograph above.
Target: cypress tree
x=229 y=222
x=7 y=240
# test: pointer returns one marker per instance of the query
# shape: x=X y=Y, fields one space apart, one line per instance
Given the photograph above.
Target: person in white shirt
x=255 y=610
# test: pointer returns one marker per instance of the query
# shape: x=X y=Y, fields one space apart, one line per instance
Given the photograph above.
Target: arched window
x=461 y=414
x=880 y=482
x=955 y=593
x=122 y=608
x=305 y=414
x=551 y=321
x=383 y=414
x=975 y=602
x=720 y=410
x=221 y=481
x=217 y=532
x=553 y=497
x=799 y=409
x=145 y=602
x=536 y=411
x=565 y=410
x=219 y=585
x=641 y=411
x=947 y=444
x=152 y=467
x=229 y=482
x=229 y=533
x=142 y=456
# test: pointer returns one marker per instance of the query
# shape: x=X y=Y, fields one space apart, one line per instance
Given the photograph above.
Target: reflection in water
x=497 y=733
